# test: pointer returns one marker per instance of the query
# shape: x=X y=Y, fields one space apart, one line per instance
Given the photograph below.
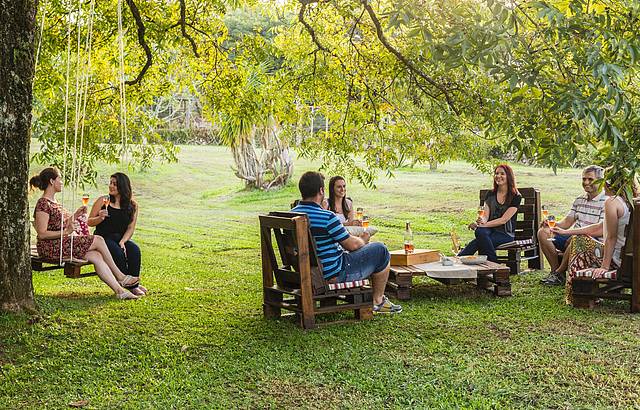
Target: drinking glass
x=545 y=212
x=106 y=200
x=365 y=221
x=551 y=220
x=481 y=212
x=85 y=199
x=359 y=213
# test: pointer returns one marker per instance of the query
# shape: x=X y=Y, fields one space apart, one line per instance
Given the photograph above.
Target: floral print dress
x=50 y=248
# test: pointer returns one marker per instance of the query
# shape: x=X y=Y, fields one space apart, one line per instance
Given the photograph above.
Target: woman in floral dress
x=49 y=216
x=589 y=257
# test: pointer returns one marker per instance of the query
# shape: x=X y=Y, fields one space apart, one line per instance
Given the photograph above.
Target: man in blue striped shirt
x=361 y=259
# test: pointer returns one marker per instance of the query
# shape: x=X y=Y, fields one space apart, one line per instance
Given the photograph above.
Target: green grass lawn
x=199 y=339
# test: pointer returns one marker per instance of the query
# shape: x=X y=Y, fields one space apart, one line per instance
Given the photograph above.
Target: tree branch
x=312 y=33
x=183 y=28
x=141 y=41
x=385 y=42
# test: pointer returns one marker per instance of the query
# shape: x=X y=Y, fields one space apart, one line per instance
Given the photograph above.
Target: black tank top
x=117 y=222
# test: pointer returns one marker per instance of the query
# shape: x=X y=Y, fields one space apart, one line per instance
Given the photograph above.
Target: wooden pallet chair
x=626 y=283
x=299 y=285
x=526 y=229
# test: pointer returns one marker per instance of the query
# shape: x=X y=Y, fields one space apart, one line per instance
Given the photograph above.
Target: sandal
x=137 y=291
x=129 y=280
x=126 y=295
x=143 y=289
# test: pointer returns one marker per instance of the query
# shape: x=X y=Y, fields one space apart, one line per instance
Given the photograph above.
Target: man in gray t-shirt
x=587 y=209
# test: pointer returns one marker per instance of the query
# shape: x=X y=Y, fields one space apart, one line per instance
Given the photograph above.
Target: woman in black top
x=114 y=217
x=497 y=225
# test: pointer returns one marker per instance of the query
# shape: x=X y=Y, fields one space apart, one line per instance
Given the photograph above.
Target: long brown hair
x=332 y=196
x=127 y=203
x=512 y=189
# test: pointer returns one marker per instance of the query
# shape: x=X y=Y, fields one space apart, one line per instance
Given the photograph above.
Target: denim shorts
x=560 y=241
x=360 y=264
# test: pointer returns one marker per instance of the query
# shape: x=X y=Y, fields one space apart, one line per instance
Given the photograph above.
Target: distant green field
x=199 y=339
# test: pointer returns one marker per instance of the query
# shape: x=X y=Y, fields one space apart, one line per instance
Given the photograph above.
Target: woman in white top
x=339 y=204
x=586 y=252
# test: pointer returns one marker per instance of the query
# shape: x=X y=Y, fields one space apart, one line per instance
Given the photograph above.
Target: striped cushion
x=348 y=285
x=588 y=273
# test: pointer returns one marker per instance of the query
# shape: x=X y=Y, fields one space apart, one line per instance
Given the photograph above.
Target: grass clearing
x=199 y=340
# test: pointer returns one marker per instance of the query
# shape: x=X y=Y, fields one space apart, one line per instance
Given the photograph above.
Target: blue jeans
x=487 y=239
x=360 y=264
x=560 y=241
x=128 y=264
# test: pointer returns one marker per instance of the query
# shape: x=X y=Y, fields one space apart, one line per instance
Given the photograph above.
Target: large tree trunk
x=17 y=35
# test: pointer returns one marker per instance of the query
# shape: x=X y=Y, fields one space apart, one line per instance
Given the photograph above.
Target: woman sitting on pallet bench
x=50 y=227
x=115 y=219
x=591 y=258
x=497 y=224
x=339 y=204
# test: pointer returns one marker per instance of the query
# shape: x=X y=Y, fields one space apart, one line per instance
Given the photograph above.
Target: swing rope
x=123 y=102
x=43 y=10
x=66 y=125
x=82 y=71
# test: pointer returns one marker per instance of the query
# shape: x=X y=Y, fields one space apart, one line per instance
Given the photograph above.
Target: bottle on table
x=408 y=239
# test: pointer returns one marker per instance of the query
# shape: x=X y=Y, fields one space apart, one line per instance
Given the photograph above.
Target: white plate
x=473 y=259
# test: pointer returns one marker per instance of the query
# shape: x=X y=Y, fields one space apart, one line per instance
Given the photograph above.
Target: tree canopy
x=398 y=82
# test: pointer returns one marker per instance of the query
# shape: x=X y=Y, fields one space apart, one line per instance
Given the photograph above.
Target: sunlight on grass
x=199 y=339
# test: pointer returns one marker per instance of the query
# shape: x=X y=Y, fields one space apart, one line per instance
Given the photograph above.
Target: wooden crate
x=400 y=258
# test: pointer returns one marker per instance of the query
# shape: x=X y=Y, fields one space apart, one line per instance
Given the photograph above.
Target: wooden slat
x=270 y=221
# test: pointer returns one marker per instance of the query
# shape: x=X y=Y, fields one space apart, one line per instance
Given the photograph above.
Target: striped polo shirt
x=585 y=211
x=328 y=232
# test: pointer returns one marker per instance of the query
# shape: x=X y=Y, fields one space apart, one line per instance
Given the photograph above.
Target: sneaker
x=554 y=279
x=386 y=306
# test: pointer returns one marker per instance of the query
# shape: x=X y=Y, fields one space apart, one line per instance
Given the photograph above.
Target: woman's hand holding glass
x=79 y=212
x=69 y=226
x=103 y=214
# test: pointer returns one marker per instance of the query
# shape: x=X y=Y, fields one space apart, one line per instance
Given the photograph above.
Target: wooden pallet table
x=493 y=277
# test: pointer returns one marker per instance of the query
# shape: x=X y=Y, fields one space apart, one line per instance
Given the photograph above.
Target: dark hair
x=332 y=196
x=310 y=184
x=512 y=189
x=127 y=203
x=41 y=180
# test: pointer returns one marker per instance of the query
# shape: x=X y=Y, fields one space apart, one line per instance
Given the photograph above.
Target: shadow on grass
x=70 y=301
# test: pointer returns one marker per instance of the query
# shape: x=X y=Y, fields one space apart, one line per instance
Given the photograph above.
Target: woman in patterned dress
x=588 y=256
x=49 y=215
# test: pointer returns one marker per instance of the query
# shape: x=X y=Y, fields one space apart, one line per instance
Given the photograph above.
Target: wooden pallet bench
x=626 y=285
x=295 y=283
x=527 y=223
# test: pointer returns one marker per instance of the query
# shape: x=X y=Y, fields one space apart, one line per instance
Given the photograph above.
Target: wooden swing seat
x=72 y=267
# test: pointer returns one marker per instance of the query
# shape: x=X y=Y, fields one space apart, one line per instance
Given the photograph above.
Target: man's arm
x=353 y=243
x=566 y=222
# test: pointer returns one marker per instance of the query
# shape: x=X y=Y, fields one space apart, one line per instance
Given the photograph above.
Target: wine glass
x=85 y=199
x=551 y=220
x=359 y=213
x=545 y=212
x=481 y=212
x=106 y=200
